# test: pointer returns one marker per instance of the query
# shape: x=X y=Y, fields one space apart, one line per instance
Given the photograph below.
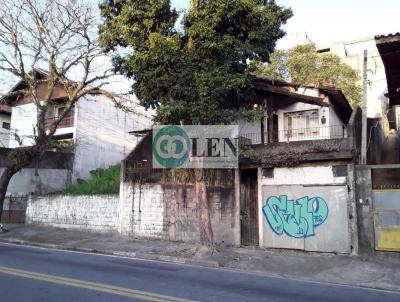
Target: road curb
x=140 y=255
x=188 y=261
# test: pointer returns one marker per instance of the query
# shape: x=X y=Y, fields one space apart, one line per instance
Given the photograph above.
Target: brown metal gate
x=248 y=207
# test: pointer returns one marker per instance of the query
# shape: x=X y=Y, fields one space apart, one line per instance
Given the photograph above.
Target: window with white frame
x=301 y=124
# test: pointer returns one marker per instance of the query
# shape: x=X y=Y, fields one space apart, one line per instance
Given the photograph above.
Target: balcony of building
x=292 y=135
x=65 y=127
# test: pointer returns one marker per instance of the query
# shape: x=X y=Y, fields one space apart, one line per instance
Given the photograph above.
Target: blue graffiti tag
x=296 y=218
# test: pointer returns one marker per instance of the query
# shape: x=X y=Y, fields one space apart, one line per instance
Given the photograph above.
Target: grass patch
x=102 y=182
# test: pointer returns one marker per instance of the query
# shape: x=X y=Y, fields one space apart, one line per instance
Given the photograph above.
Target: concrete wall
x=50 y=173
x=4 y=133
x=93 y=213
x=170 y=212
x=101 y=134
x=142 y=210
x=364 y=198
x=41 y=181
x=307 y=208
x=23 y=123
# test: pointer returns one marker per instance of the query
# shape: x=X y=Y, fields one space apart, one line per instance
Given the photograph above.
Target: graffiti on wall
x=296 y=218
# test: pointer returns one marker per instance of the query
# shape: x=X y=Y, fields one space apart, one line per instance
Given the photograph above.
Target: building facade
x=352 y=53
x=95 y=130
x=296 y=182
x=5 y=124
x=294 y=187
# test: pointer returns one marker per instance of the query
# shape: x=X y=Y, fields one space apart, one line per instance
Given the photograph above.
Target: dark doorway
x=248 y=207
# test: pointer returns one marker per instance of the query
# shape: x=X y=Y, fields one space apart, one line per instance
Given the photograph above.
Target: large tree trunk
x=206 y=233
x=4 y=181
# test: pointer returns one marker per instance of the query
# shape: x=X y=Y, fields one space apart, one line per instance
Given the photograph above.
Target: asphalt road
x=38 y=274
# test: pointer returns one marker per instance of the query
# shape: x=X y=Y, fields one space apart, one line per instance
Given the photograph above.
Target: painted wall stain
x=389 y=239
x=296 y=218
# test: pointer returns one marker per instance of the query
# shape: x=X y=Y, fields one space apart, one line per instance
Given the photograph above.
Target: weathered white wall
x=141 y=210
x=4 y=133
x=41 y=181
x=23 y=123
x=101 y=134
x=317 y=181
x=319 y=175
x=169 y=211
x=94 y=213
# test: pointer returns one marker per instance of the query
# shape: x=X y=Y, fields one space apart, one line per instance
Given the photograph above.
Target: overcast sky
x=327 y=21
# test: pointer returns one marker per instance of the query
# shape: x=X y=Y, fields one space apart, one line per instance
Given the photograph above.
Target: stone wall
x=95 y=213
x=169 y=211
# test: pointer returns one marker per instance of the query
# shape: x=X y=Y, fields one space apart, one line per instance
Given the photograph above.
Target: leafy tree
x=302 y=65
x=197 y=73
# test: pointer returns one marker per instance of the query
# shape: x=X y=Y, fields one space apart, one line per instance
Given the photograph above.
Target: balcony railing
x=301 y=134
x=67 y=122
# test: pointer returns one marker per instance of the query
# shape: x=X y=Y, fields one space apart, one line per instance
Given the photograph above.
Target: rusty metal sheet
x=386 y=199
x=387 y=219
x=387 y=230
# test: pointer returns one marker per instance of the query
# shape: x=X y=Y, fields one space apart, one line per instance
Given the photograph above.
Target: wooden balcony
x=67 y=122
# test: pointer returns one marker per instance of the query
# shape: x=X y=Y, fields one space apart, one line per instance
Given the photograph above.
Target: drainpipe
x=364 y=112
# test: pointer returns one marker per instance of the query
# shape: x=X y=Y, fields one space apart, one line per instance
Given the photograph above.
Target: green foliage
x=102 y=182
x=199 y=73
x=302 y=65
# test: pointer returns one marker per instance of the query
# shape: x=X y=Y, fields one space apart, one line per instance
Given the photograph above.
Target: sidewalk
x=379 y=273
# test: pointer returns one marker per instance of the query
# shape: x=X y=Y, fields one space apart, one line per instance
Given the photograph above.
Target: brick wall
x=164 y=211
x=141 y=210
x=169 y=211
x=97 y=212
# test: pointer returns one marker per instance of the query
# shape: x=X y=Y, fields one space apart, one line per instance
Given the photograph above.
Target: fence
x=144 y=173
x=14 y=209
x=66 y=122
x=309 y=133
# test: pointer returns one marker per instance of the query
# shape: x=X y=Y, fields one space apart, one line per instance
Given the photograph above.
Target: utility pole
x=364 y=112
